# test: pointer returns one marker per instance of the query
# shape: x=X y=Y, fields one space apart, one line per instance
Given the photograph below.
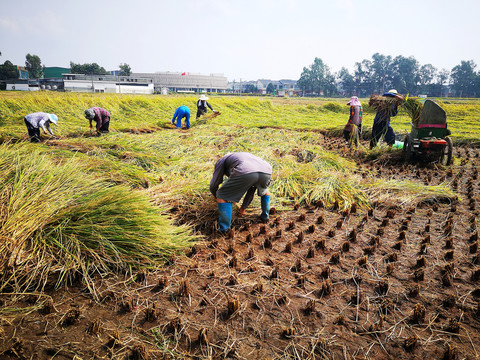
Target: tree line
x=33 y=65
x=382 y=72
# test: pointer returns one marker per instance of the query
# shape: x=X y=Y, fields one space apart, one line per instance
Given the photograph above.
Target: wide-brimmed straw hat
x=203 y=97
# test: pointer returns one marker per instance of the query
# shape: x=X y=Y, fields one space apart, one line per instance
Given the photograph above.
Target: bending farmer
x=246 y=173
x=38 y=120
x=202 y=106
x=353 y=129
x=180 y=113
x=381 y=122
x=100 y=116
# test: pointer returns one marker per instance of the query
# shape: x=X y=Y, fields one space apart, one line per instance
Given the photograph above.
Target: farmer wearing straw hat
x=202 y=106
x=182 y=112
x=246 y=173
x=353 y=130
x=100 y=116
x=38 y=120
x=381 y=122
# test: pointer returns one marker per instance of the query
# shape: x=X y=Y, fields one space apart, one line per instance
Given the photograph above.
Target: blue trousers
x=180 y=113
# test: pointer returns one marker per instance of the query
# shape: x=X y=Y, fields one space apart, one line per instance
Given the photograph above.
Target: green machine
x=428 y=139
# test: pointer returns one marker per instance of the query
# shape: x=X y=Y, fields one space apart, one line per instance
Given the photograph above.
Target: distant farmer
x=38 y=120
x=353 y=130
x=381 y=122
x=202 y=106
x=100 y=116
x=182 y=112
x=246 y=173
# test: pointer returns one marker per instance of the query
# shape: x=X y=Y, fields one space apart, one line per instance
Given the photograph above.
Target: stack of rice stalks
x=384 y=103
x=413 y=107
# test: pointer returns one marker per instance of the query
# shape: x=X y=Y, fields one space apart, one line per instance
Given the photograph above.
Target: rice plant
x=57 y=221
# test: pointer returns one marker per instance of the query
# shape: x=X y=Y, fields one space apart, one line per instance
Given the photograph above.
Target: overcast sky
x=242 y=39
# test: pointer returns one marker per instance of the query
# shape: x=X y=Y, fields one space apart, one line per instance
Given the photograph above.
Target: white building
x=186 y=82
x=107 y=84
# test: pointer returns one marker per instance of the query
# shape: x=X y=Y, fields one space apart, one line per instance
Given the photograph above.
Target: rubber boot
x=224 y=216
x=265 y=200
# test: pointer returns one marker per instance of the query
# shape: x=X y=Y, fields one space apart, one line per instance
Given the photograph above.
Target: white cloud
x=9 y=25
x=346 y=5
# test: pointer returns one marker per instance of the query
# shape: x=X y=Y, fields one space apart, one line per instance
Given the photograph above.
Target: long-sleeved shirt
x=236 y=164
x=383 y=116
x=102 y=116
x=181 y=112
x=356 y=114
x=202 y=106
x=40 y=120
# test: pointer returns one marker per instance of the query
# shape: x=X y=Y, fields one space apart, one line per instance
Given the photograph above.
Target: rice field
x=126 y=219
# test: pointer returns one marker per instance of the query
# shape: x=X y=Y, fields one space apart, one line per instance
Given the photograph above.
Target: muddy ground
x=313 y=283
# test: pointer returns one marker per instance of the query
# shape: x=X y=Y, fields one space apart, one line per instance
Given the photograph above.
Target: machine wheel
x=446 y=157
x=407 y=151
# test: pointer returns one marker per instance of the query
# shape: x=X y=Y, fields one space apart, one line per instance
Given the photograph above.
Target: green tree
x=34 y=66
x=464 y=78
x=251 y=88
x=442 y=79
x=426 y=74
x=8 y=71
x=363 y=78
x=346 y=81
x=317 y=78
x=405 y=77
x=87 y=69
x=381 y=72
x=270 y=88
x=125 y=70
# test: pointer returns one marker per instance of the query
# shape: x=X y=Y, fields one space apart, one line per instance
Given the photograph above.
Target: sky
x=241 y=39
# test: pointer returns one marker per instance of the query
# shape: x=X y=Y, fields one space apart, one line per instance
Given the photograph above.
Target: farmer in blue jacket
x=381 y=122
x=182 y=112
x=246 y=173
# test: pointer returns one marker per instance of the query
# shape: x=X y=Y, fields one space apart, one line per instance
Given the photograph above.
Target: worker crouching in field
x=246 y=173
x=381 y=122
x=182 y=112
x=101 y=117
x=353 y=129
x=202 y=106
x=38 y=120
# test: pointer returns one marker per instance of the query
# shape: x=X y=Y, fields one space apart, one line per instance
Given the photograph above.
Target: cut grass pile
x=56 y=219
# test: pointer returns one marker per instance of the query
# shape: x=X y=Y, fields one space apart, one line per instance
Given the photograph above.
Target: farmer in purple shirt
x=100 y=116
x=38 y=120
x=246 y=173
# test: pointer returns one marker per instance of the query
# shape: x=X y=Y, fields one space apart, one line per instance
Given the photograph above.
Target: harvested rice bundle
x=413 y=107
x=387 y=103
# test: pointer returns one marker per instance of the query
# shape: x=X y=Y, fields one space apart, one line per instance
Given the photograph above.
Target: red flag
x=185 y=73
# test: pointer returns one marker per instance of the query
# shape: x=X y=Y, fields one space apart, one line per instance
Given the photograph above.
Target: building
x=185 y=82
x=22 y=72
x=22 y=85
x=107 y=84
x=281 y=87
x=54 y=72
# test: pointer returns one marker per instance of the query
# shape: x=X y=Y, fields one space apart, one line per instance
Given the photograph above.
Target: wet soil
x=313 y=283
